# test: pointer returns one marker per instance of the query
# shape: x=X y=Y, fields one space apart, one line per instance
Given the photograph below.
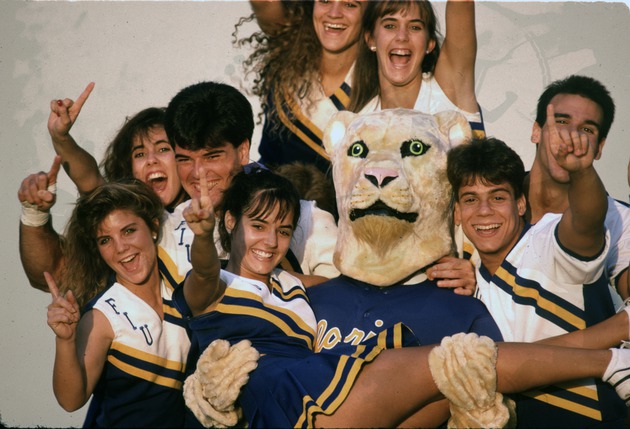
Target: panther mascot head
x=393 y=197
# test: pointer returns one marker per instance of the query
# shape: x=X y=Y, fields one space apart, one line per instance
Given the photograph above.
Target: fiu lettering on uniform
x=144 y=345
x=181 y=229
x=144 y=373
x=175 y=241
x=143 y=328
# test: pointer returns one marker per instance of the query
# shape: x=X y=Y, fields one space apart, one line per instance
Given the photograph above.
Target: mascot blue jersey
x=349 y=312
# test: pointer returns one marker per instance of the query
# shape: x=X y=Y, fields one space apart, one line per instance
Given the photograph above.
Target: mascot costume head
x=393 y=198
x=395 y=220
x=394 y=206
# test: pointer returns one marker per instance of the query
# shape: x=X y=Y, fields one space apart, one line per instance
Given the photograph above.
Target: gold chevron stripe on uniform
x=542 y=302
x=295 y=110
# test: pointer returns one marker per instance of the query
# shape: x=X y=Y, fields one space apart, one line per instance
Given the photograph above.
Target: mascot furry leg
x=464 y=369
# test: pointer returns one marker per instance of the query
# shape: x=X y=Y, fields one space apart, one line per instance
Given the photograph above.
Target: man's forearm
x=40 y=250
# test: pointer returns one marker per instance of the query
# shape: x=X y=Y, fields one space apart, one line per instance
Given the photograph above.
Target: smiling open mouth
x=335 y=26
x=400 y=57
x=381 y=209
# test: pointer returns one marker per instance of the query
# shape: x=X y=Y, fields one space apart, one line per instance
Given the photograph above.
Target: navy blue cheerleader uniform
x=291 y=383
x=298 y=134
x=141 y=383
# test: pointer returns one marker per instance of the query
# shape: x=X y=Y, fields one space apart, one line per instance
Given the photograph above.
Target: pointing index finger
x=52 y=286
x=54 y=170
x=84 y=96
x=551 y=119
x=203 y=184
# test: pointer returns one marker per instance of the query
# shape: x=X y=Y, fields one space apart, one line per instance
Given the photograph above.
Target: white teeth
x=263 y=254
x=335 y=26
x=128 y=259
x=400 y=52
x=156 y=175
x=486 y=227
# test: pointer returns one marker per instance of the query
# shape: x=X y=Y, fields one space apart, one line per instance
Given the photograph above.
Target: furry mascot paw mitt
x=212 y=390
x=463 y=368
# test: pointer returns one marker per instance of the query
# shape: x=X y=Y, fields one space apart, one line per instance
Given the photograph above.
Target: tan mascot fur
x=394 y=205
x=390 y=161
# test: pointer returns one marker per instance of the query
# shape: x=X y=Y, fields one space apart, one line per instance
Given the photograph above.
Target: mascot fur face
x=393 y=197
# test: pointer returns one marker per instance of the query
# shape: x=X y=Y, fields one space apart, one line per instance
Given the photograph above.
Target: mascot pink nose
x=380 y=177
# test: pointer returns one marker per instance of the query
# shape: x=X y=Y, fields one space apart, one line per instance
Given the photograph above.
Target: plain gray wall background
x=141 y=53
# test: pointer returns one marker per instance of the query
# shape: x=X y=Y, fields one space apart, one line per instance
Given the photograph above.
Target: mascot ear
x=455 y=126
x=336 y=130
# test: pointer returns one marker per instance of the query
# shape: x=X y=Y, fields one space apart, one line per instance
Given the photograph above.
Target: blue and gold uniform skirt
x=288 y=391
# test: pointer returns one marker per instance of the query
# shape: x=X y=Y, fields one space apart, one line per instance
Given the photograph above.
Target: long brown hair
x=286 y=62
x=365 y=85
x=86 y=273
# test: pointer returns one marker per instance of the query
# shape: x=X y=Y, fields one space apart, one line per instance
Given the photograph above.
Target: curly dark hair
x=487 y=159
x=116 y=163
x=286 y=62
x=208 y=114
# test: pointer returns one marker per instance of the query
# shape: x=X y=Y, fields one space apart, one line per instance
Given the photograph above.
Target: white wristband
x=31 y=215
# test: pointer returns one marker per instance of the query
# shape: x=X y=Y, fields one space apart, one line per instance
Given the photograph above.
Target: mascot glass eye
x=414 y=148
x=358 y=149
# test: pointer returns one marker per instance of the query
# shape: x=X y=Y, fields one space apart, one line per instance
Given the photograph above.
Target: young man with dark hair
x=210 y=127
x=581 y=105
x=545 y=279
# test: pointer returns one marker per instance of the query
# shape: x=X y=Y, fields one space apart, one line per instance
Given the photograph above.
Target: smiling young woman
x=303 y=61
x=119 y=337
x=403 y=63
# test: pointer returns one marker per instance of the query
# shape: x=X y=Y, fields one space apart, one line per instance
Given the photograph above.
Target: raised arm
x=81 y=348
x=203 y=286
x=455 y=68
x=39 y=243
x=582 y=228
x=77 y=162
x=270 y=14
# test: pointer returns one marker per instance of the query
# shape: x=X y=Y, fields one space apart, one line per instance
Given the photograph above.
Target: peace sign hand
x=200 y=212
x=63 y=311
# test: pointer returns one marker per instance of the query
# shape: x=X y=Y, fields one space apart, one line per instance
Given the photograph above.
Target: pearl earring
x=373 y=48
x=426 y=52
